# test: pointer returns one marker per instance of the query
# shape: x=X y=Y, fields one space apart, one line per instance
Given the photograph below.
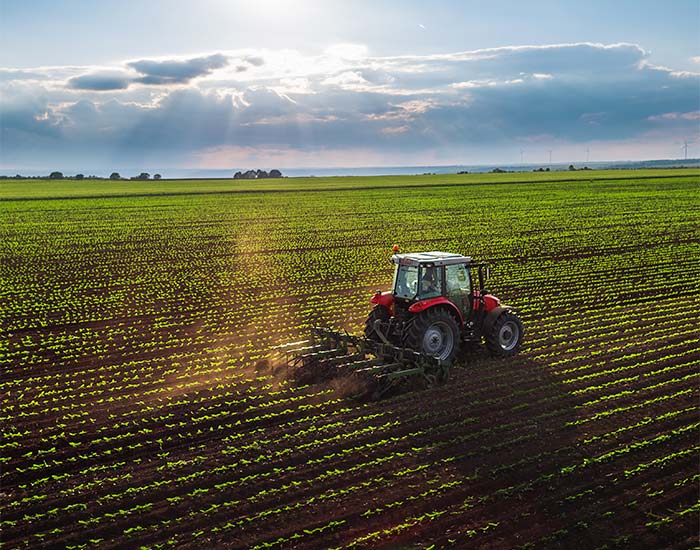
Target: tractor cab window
x=430 y=282
x=406 y=281
x=458 y=287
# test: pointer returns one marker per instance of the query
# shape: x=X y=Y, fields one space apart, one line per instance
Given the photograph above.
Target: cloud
x=154 y=72
x=665 y=117
x=254 y=60
x=349 y=80
x=19 y=74
x=437 y=106
x=100 y=82
x=578 y=61
x=395 y=129
x=176 y=71
x=25 y=110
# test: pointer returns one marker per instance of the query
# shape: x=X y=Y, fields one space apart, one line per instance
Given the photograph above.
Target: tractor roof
x=433 y=258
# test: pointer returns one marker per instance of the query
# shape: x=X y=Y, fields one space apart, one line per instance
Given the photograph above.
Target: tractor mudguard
x=491 y=317
x=490 y=301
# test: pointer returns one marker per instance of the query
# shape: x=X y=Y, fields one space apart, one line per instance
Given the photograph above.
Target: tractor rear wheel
x=505 y=335
x=380 y=313
x=434 y=332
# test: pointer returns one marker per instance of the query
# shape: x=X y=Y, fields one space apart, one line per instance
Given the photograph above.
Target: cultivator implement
x=378 y=368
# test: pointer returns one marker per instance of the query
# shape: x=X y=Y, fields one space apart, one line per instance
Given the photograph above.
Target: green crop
x=142 y=408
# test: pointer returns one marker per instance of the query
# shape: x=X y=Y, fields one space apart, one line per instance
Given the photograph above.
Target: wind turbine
x=550 y=157
x=588 y=154
x=521 y=156
x=687 y=142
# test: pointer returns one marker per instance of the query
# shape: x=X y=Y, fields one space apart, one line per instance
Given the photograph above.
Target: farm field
x=139 y=408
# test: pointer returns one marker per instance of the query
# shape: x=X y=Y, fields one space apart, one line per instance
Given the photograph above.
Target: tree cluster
x=143 y=176
x=257 y=174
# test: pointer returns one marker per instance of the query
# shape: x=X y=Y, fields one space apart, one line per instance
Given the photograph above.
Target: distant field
x=136 y=412
x=13 y=189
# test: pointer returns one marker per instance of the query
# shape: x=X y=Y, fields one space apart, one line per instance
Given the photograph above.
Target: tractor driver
x=429 y=284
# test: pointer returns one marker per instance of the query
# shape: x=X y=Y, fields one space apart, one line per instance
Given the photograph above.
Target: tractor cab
x=433 y=275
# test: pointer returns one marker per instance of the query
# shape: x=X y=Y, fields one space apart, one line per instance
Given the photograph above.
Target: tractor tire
x=434 y=332
x=378 y=312
x=504 y=337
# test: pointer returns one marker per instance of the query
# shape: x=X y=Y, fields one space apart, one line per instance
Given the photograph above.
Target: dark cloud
x=151 y=72
x=177 y=71
x=183 y=120
x=28 y=127
x=584 y=58
x=248 y=61
x=100 y=82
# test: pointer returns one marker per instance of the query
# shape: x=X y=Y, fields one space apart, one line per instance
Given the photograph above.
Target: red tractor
x=437 y=302
x=414 y=331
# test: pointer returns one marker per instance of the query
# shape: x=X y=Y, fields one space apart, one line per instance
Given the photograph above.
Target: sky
x=216 y=84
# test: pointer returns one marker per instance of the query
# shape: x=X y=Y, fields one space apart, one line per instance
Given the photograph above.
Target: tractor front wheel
x=434 y=332
x=505 y=335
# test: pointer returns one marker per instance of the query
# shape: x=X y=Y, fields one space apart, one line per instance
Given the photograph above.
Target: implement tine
x=290 y=344
x=378 y=368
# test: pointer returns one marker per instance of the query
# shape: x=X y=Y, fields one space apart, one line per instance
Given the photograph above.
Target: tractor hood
x=385 y=299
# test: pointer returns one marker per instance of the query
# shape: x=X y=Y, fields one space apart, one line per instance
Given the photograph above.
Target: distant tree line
x=143 y=176
x=257 y=174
